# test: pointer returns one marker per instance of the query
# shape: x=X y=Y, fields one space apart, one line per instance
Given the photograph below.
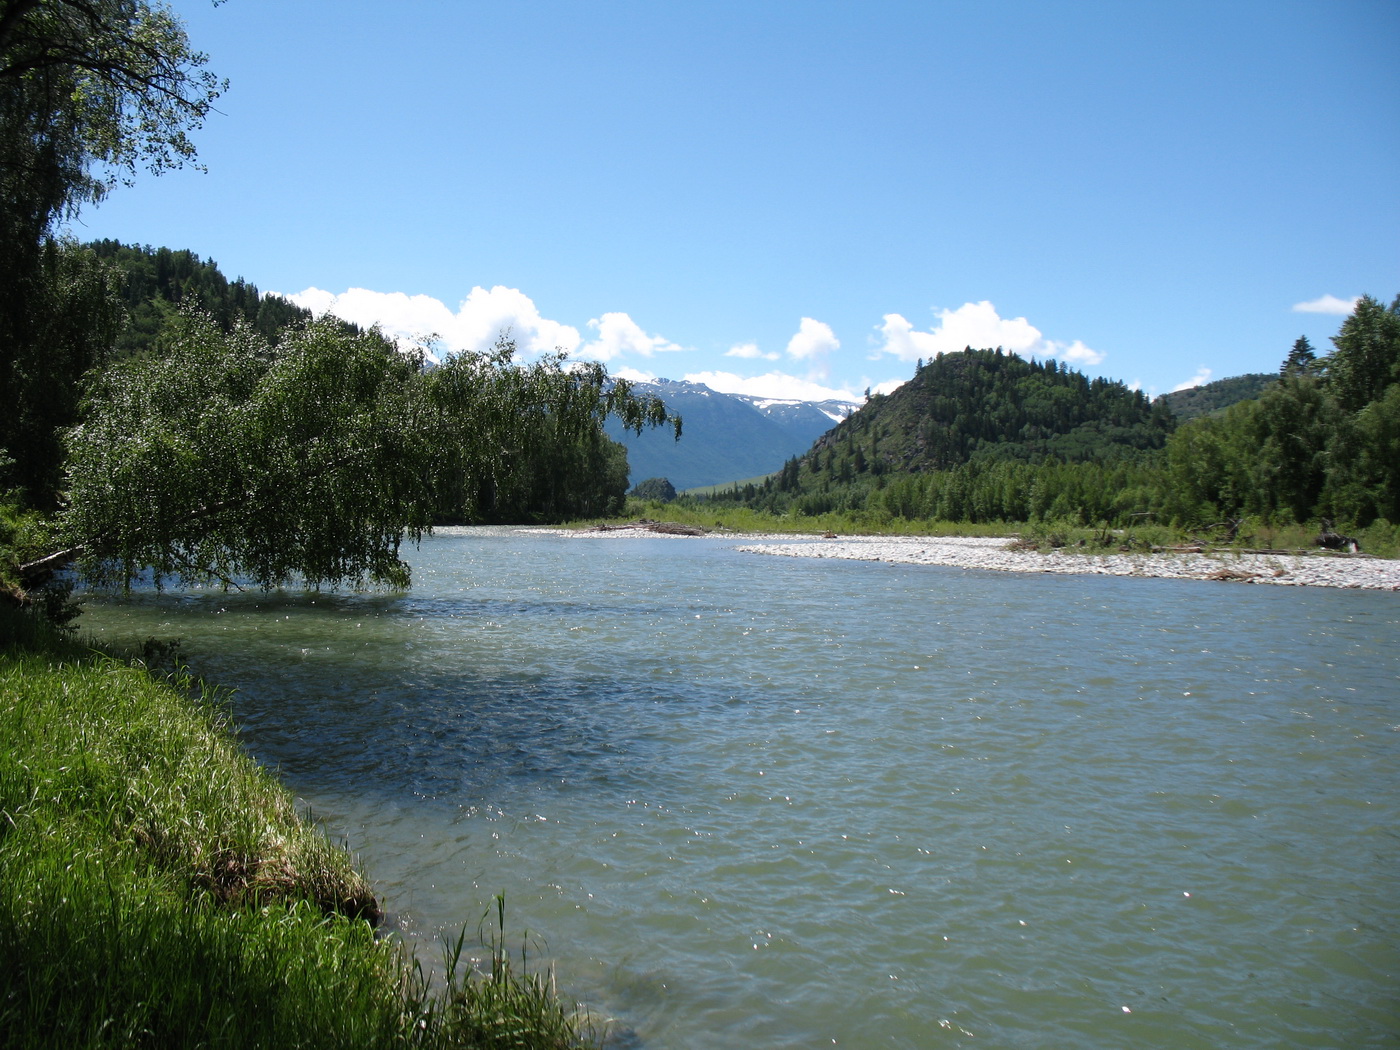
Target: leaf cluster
x=111 y=84
x=226 y=458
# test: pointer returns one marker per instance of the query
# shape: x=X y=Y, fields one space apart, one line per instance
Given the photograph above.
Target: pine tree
x=1301 y=359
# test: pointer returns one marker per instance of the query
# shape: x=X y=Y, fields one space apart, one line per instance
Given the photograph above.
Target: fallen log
x=665 y=528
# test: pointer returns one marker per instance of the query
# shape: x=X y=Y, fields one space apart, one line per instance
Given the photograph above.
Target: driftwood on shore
x=665 y=528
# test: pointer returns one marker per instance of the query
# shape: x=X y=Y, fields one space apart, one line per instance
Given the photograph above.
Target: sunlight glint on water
x=769 y=802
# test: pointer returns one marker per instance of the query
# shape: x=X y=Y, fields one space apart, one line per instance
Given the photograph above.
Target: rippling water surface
x=758 y=802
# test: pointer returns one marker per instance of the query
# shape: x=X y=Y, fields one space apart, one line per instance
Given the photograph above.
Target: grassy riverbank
x=158 y=888
x=1381 y=538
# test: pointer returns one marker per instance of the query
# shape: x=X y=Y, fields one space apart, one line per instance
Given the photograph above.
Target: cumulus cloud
x=814 y=340
x=1327 y=304
x=618 y=334
x=889 y=386
x=772 y=384
x=1199 y=379
x=750 y=351
x=475 y=325
x=977 y=325
x=1075 y=353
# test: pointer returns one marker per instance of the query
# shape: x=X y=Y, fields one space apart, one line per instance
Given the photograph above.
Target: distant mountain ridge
x=726 y=437
x=1217 y=396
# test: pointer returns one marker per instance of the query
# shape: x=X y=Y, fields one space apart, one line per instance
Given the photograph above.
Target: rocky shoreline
x=997 y=553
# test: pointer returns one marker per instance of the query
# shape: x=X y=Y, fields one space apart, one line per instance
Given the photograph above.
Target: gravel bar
x=1284 y=570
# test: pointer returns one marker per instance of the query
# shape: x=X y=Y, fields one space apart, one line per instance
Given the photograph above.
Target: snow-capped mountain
x=726 y=437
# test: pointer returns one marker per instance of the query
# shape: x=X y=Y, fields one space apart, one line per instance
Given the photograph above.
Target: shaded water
x=765 y=802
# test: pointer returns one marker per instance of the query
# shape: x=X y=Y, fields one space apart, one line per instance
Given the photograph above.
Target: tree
x=1300 y=361
x=1367 y=355
x=72 y=317
x=84 y=83
x=90 y=91
x=659 y=489
x=224 y=457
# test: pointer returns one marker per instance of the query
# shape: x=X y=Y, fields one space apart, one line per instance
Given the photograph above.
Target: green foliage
x=1301 y=360
x=659 y=489
x=989 y=405
x=90 y=91
x=505 y=1008
x=69 y=316
x=972 y=440
x=1322 y=442
x=1366 y=360
x=981 y=437
x=156 y=282
x=1267 y=457
x=1212 y=398
x=111 y=84
x=225 y=457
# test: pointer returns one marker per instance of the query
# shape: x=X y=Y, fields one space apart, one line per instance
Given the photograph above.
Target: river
x=773 y=802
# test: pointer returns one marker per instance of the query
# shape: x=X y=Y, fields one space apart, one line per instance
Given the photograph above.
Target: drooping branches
x=225 y=457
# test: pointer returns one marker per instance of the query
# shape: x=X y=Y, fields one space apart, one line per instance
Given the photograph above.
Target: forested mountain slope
x=1217 y=396
x=988 y=404
x=157 y=280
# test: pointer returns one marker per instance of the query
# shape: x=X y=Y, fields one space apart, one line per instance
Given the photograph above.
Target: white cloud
x=814 y=341
x=750 y=351
x=632 y=375
x=889 y=386
x=774 y=385
x=979 y=326
x=618 y=334
x=475 y=325
x=1327 y=304
x=1199 y=379
x=1076 y=353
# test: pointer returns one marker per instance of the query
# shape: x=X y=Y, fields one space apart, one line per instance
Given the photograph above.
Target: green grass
x=159 y=889
x=1380 y=539
x=742 y=519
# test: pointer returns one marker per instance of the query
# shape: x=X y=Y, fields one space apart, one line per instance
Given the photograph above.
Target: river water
x=765 y=802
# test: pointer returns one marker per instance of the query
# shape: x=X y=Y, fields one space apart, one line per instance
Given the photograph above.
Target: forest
x=983 y=436
x=163 y=408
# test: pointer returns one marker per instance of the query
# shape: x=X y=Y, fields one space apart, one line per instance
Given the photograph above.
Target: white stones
x=1285 y=570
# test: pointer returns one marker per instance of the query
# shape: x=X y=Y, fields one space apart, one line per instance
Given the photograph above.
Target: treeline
x=989 y=405
x=153 y=282
x=983 y=436
x=1322 y=443
x=127 y=303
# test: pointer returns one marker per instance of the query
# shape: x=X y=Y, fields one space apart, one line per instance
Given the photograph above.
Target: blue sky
x=791 y=197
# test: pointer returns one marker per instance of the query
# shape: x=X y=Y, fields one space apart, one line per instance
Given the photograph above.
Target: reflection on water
x=763 y=802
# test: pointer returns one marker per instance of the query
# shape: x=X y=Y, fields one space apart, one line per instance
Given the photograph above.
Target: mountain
x=726 y=437
x=977 y=435
x=987 y=404
x=1217 y=396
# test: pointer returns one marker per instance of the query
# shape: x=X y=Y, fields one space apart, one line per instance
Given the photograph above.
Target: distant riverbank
x=998 y=553
x=980 y=552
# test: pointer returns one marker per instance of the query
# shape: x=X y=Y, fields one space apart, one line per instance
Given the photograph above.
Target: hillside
x=1217 y=396
x=157 y=280
x=726 y=436
x=987 y=404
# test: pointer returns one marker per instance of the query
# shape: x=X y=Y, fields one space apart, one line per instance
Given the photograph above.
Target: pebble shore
x=1284 y=570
